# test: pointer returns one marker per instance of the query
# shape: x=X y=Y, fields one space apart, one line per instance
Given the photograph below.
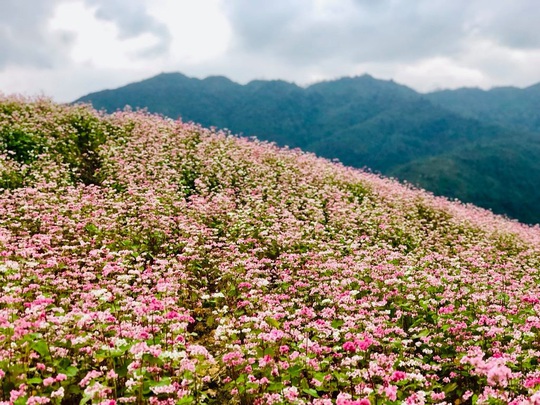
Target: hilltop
x=481 y=148
x=148 y=260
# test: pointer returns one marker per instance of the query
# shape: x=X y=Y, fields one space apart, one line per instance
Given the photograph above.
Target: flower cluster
x=145 y=260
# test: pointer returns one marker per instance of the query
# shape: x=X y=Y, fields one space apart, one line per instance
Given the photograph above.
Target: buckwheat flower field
x=146 y=260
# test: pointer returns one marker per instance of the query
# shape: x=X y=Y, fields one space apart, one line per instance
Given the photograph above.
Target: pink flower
x=398 y=376
x=467 y=395
x=61 y=377
x=532 y=382
x=343 y=399
x=349 y=346
x=48 y=381
x=535 y=398
x=364 y=344
x=290 y=393
x=59 y=393
x=325 y=401
x=438 y=396
x=265 y=360
x=15 y=394
x=34 y=400
x=498 y=375
x=391 y=392
x=233 y=358
x=139 y=349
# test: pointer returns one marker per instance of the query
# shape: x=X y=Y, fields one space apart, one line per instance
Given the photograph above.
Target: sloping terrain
x=145 y=260
x=365 y=122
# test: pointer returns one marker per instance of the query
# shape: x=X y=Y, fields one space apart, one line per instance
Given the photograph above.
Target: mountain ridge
x=366 y=122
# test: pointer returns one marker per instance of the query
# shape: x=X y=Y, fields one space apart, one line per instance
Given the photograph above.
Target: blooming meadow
x=146 y=260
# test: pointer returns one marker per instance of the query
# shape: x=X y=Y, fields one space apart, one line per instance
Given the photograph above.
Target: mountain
x=363 y=122
x=508 y=106
x=149 y=261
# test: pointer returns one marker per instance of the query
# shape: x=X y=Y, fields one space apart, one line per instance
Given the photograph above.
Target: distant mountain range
x=481 y=147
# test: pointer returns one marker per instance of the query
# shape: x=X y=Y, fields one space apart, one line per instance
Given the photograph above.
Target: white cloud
x=98 y=43
x=24 y=36
x=67 y=48
x=199 y=30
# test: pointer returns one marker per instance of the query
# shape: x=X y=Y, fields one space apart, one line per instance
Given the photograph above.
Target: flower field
x=145 y=260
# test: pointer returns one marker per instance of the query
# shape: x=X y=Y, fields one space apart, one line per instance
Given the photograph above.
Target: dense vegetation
x=481 y=148
x=145 y=260
x=507 y=106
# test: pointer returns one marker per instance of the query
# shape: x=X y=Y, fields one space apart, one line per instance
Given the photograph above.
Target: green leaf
x=320 y=376
x=91 y=229
x=450 y=387
x=116 y=353
x=241 y=379
x=41 y=347
x=311 y=392
x=35 y=380
x=17 y=369
x=337 y=323
x=71 y=371
x=270 y=351
x=85 y=399
x=340 y=376
x=423 y=333
x=161 y=383
x=272 y=322
x=185 y=400
x=275 y=387
x=122 y=371
x=295 y=371
x=21 y=400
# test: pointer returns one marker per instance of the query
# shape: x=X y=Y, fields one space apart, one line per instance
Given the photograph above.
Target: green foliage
x=32 y=147
x=208 y=269
x=446 y=142
x=22 y=144
x=507 y=106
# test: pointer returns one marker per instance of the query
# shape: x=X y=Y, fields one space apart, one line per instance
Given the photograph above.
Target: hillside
x=146 y=260
x=363 y=122
x=508 y=106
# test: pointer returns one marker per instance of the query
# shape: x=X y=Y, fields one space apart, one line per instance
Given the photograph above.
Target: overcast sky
x=68 y=48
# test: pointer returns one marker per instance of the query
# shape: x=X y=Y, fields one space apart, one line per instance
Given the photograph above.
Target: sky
x=65 y=49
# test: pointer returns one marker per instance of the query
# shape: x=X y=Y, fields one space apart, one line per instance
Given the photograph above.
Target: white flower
x=119 y=342
x=173 y=355
x=99 y=292
x=59 y=393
